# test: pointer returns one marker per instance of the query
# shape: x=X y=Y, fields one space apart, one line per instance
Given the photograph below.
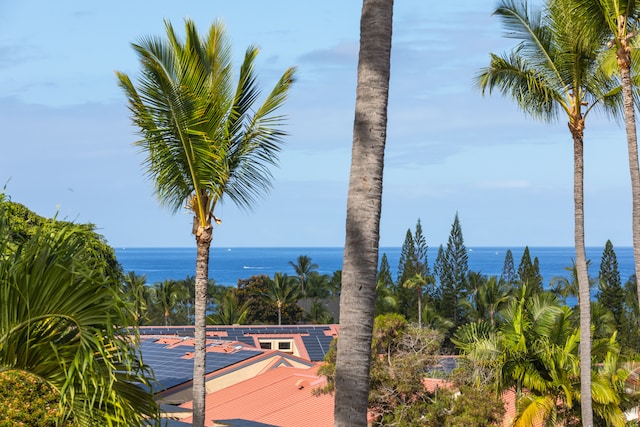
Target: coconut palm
x=386 y=301
x=204 y=140
x=318 y=286
x=364 y=203
x=554 y=70
x=489 y=295
x=228 y=311
x=564 y=287
x=282 y=291
x=303 y=266
x=167 y=296
x=616 y=24
x=418 y=282
x=136 y=291
x=64 y=322
x=434 y=320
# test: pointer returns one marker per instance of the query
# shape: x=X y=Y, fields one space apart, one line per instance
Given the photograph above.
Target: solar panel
x=314 y=338
x=171 y=369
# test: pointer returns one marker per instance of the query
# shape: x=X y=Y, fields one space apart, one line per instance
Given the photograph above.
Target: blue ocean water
x=227 y=265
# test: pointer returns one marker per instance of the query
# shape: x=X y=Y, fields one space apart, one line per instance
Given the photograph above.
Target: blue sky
x=67 y=142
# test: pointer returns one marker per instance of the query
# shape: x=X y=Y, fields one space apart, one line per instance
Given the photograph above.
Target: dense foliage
x=26 y=400
x=64 y=324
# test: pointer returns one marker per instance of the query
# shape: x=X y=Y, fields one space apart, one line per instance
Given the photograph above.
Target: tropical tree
x=168 y=296
x=204 y=139
x=564 y=287
x=228 y=311
x=318 y=286
x=303 y=266
x=282 y=291
x=136 y=292
x=418 y=282
x=553 y=69
x=261 y=309
x=319 y=314
x=386 y=301
x=487 y=298
x=364 y=203
x=335 y=284
x=64 y=323
x=535 y=352
x=615 y=24
x=432 y=319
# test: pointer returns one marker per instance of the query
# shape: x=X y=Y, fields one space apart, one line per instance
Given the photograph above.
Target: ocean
x=227 y=265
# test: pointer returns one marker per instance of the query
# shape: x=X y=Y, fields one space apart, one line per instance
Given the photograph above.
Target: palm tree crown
x=553 y=69
x=204 y=138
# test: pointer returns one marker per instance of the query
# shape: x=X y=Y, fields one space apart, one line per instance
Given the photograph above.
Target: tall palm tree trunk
x=279 y=313
x=204 y=236
x=584 y=298
x=624 y=65
x=364 y=204
x=419 y=306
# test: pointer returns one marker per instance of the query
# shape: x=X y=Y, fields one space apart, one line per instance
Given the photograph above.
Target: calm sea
x=227 y=265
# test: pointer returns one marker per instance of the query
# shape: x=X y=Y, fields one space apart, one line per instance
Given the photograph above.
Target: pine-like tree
x=453 y=274
x=408 y=260
x=529 y=273
x=610 y=292
x=421 y=249
x=386 y=302
x=508 y=269
x=407 y=265
x=413 y=262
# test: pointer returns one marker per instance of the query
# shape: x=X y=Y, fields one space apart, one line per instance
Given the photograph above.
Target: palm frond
x=203 y=141
x=514 y=78
x=63 y=321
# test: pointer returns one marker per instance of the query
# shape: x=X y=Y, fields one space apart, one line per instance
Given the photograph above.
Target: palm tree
x=616 y=24
x=318 y=314
x=488 y=297
x=65 y=322
x=228 y=311
x=386 y=301
x=282 y=291
x=318 y=286
x=553 y=69
x=364 y=203
x=564 y=287
x=433 y=320
x=205 y=139
x=303 y=267
x=535 y=351
x=417 y=282
x=167 y=295
x=136 y=291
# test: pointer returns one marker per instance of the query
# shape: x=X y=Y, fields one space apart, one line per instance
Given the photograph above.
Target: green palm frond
x=204 y=139
x=513 y=77
x=63 y=321
x=531 y=410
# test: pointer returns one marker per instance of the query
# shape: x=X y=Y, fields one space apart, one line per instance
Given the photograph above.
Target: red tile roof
x=281 y=396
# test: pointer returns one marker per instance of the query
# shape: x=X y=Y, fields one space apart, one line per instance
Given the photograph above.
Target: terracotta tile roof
x=282 y=397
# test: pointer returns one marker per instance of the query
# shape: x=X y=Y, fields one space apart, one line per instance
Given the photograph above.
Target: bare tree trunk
x=632 y=147
x=364 y=203
x=203 y=242
x=584 y=296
